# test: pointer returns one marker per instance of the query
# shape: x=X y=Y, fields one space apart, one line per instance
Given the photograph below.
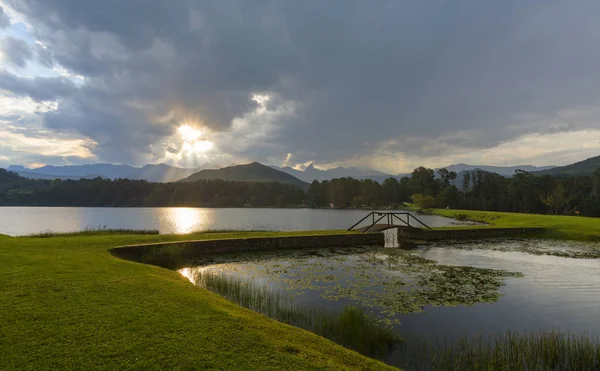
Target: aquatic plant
x=390 y=280
x=550 y=350
x=351 y=327
x=386 y=282
x=461 y=217
x=231 y=230
x=169 y=256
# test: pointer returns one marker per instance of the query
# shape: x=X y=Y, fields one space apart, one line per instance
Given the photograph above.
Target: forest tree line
x=18 y=191
x=478 y=190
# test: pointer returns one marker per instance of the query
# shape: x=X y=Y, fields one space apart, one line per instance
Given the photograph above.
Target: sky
x=381 y=84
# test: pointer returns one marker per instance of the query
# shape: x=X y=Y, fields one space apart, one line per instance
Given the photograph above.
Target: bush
x=423 y=202
x=461 y=217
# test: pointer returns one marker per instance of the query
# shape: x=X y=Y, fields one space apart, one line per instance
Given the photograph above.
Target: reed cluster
x=351 y=327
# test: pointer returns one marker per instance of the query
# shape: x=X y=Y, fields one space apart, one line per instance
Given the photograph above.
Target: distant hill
x=253 y=172
x=502 y=170
x=584 y=167
x=151 y=173
x=34 y=175
x=311 y=173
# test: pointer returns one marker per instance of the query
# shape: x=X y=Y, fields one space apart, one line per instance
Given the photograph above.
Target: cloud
x=15 y=51
x=38 y=88
x=4 y=18
x=347 y=79
x=24 y=139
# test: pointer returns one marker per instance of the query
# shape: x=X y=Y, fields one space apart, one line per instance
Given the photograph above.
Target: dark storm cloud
x=38 y=88
x=360 y=72
x=15 y=51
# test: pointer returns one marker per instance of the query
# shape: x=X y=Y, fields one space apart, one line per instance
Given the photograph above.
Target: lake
x=438 y=292
x=18 y=221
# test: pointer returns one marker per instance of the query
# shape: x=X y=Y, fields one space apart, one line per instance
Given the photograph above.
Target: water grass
x=169 y=256
x=93 y=231
x=538 y=350
x=351 y=327
x=230 y=230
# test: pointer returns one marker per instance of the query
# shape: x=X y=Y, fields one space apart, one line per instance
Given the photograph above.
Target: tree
x=178 y=197
x=452 y=176
x=159 y=197
x=370 y=193
x=423 y=181
x=404 y=189
x=556 y=199
x=342 y=192
x=443 y=173
x=449 y=197
x=466 y=181
x=447 y=177
x=391 y=191
x=314 y=195
x=423 y=202
x=596 y=180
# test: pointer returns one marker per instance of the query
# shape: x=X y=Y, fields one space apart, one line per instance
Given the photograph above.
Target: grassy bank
x=67 y=303
x=556 y=226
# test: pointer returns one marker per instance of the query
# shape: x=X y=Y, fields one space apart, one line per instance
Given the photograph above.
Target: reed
x=169 y=256
x=93 y=231
x=542 y=350
x=351 y=327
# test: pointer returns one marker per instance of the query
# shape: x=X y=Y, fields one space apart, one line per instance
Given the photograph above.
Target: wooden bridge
x=381 y=221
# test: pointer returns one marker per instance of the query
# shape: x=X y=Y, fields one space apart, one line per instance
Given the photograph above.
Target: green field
x=557 y=226
x=67 y=303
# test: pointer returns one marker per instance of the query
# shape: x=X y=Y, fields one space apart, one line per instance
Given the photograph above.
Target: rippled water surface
x=27 y=220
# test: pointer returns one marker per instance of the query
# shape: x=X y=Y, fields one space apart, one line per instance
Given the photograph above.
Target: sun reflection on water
x=189 y=273
x=188 y=220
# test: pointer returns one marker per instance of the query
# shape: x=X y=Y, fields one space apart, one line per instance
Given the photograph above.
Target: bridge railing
x=391 y=217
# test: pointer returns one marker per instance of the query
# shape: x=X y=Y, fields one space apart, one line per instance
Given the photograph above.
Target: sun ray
x=194 y=141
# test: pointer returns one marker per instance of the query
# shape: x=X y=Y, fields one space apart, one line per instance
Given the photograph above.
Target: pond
x=17 y=221
x=438 y=292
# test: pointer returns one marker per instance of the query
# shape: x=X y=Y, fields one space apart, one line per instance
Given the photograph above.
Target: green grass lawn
x=557 y=226
x=67 y=303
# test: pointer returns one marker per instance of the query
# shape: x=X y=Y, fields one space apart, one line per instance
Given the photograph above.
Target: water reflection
x=186 y=220
x=190 y=274
x=27 y=220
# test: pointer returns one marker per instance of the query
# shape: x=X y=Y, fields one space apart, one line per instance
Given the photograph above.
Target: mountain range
x=258 y=172
x=502 y=170
x=152 y=173
x=584 y=167
x=311 y=173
